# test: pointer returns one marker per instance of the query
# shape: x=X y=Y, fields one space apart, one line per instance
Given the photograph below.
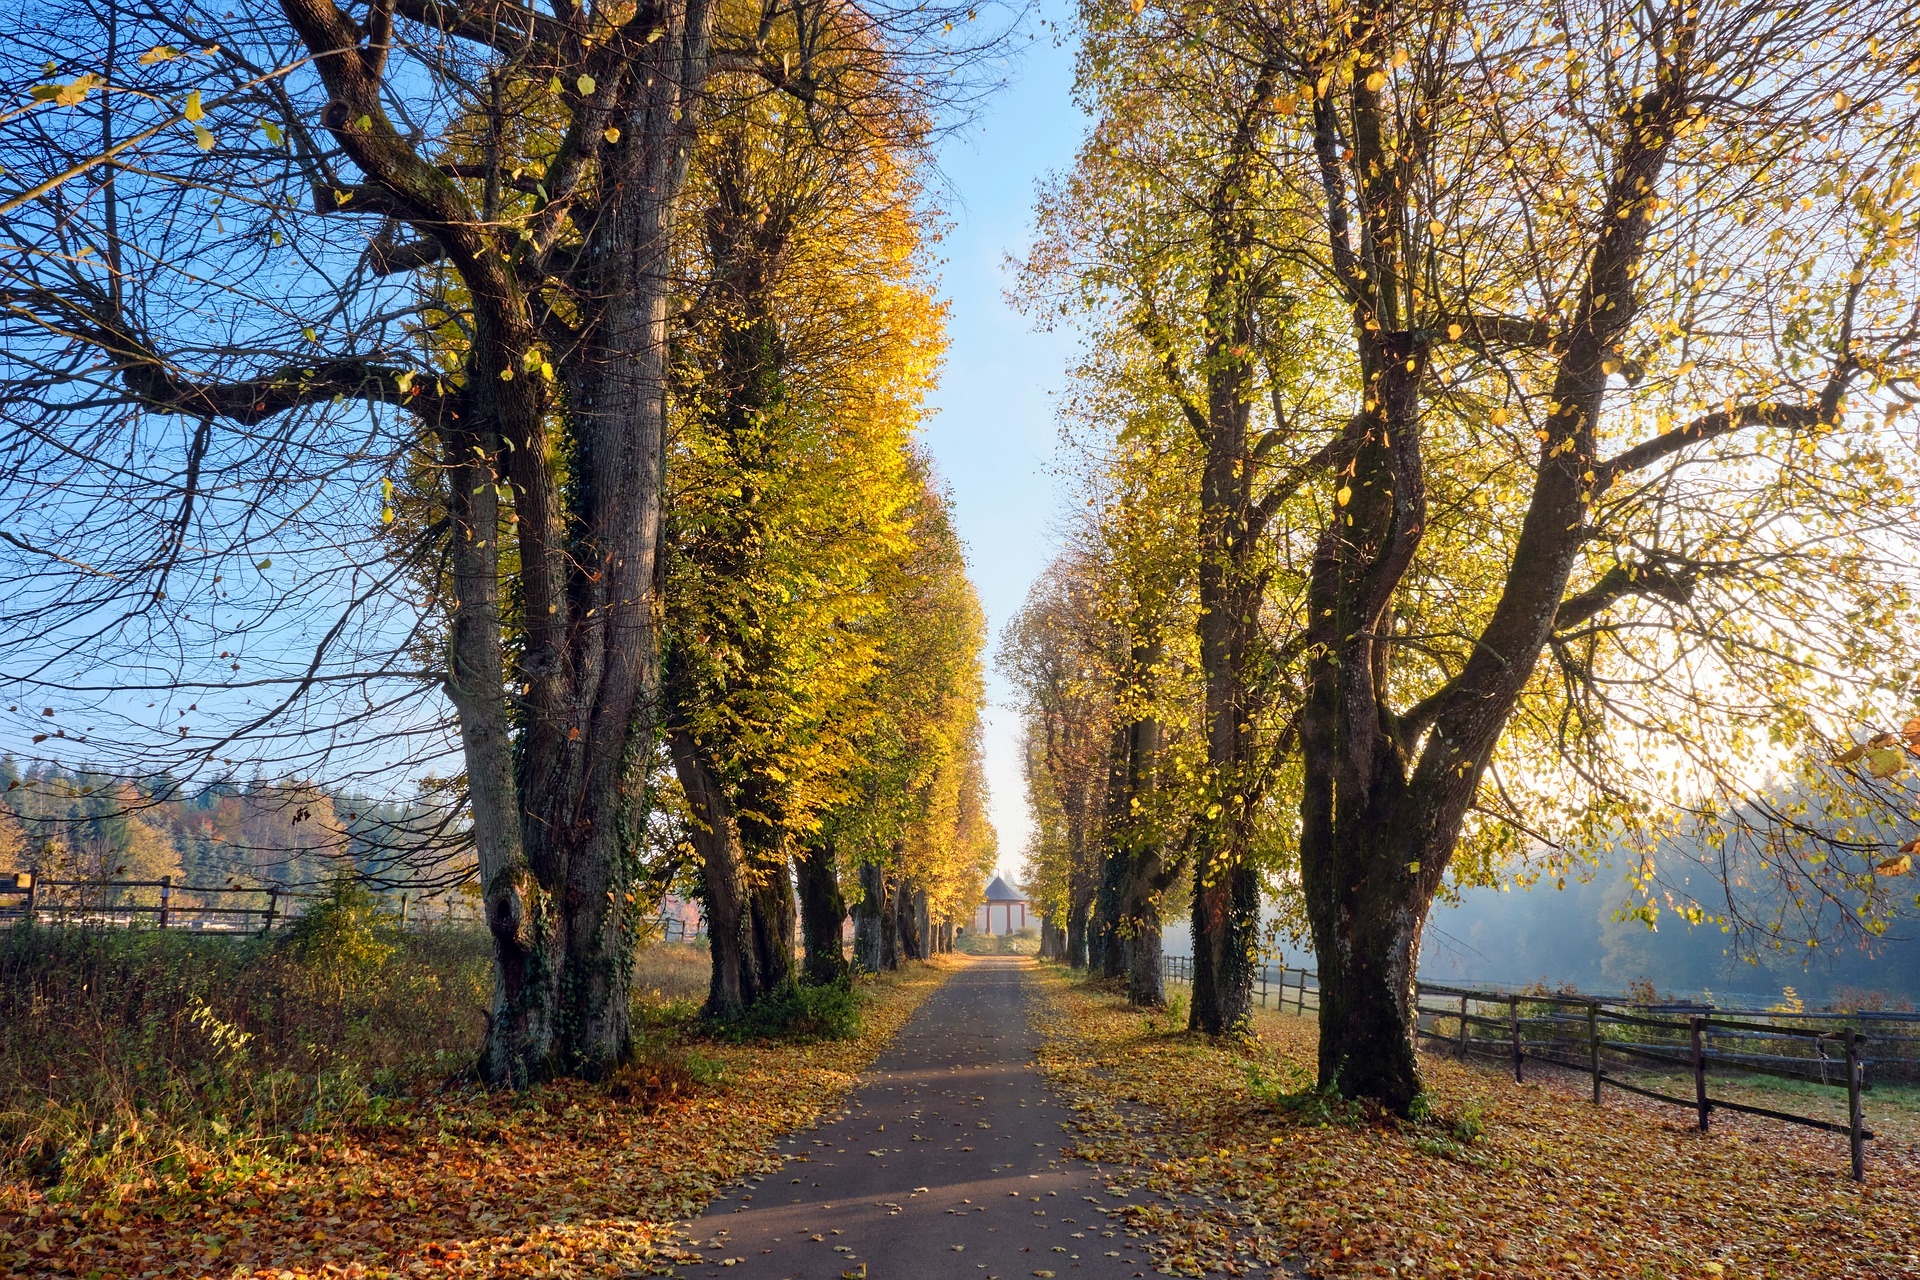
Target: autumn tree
x=262 y=262
x=1134 y=466
x=1162 y=241
x=911 y=834
x=1611 y=530
x=1059 y=654
x=808 y=342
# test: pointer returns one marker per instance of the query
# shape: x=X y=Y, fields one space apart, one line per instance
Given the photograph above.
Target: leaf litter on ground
x=567 y=1179
x=1256 y=1173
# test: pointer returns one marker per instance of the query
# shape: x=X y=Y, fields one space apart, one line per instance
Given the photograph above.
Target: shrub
x=798 y=1014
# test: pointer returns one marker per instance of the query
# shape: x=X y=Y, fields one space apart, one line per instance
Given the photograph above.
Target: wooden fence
x=102 y=904
x=1601 y=1036
x=24 y=897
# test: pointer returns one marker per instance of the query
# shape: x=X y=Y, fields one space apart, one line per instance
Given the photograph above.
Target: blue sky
x=994 y=431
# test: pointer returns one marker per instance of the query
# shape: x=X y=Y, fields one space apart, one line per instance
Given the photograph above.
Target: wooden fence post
x=1463 y=1026
x=33 y=898
x=1856 y=1127
x=1592 y=1044
x=166 y=899
x=273 y=907
x=1263 y=986
x=1700 y=1070
x=1513 y=1023
x=1300 y=1001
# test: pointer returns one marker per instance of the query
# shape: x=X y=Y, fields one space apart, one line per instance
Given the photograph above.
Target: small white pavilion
x=1004 y=911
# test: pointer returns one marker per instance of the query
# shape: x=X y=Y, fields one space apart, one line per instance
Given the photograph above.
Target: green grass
x=1024 y=943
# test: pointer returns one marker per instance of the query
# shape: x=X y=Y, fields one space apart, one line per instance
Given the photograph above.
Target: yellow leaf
x=159 y=53
x=74 y=92
x=1376 y=81
x=1884 y=762
x=612 y=135
x=1899 y=866
x=1345 y=495
x=1434 y=229
x=203 y=137
x=1850 y=756
x=1499 y=417
x=193 y=110
x=585 y=84
x=1454 y=331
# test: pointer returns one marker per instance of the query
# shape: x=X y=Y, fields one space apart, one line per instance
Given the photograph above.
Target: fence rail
x=24 y=897
x=1589 y=1034
x=675 y=929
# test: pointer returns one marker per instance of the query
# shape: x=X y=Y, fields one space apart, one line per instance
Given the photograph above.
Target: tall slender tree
x=809 y=342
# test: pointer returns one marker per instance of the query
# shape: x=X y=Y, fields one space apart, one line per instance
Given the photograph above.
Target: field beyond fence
x=1668 y=1052
x=233 y=908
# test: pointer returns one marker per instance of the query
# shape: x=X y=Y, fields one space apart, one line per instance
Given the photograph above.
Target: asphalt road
x=944 y=1164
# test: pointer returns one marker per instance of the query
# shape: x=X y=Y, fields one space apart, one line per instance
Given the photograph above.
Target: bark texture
x=1386 y=791
x=869 y=946
x=823 y=913
x=557 y=788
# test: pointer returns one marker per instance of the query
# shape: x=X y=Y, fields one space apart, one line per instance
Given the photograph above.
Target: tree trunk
x=1079 y=906
x=772 y=922
x=733 y=984
x=1144 y=988
x=526 y=964
x=823 y=912
x=749 y=907
x=906 y=924
x=1226 y=915
x=869 y=947
x=1106 y=943
x=1230 y=590
x=1226 y=901
x=1368 y=951
x=889 y=926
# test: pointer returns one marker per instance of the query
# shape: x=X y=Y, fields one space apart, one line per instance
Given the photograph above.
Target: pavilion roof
x=998 y=891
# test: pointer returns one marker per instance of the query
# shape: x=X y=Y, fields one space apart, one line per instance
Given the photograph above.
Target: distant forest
x=1570 y=936
x=64 y=825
